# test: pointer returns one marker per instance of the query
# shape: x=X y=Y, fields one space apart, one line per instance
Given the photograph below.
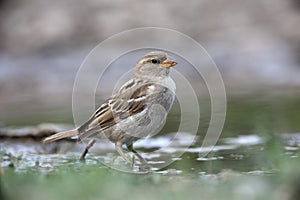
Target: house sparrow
x=137 y=110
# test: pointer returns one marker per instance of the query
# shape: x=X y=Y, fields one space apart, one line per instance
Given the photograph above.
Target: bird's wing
x=127 y=102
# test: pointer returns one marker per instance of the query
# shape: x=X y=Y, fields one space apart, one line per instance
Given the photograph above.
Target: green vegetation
x=268 y=170
x=274 y=177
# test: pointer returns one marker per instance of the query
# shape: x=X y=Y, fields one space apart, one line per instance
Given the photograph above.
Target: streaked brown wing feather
x=115 y=109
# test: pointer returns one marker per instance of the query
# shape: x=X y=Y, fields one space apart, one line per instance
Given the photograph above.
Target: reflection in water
x=231 y=153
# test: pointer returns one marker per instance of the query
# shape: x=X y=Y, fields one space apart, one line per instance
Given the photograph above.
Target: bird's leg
x=118 y=146
x=86 y=150
x=142 y=160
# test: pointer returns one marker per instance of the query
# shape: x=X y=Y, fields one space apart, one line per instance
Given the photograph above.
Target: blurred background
x=255 y=44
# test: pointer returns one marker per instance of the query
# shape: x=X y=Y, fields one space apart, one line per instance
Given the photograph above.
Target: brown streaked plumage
x=135 y=111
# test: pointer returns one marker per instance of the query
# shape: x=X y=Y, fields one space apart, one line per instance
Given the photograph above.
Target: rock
x=39 y=131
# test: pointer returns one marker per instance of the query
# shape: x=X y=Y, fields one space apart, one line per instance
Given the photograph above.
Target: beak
x=168 y=63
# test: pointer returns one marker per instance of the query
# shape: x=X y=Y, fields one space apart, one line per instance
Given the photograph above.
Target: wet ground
x=251 y=123
x=244 y=154
x=257 y=155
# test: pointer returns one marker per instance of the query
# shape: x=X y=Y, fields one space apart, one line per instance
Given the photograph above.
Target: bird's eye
x=154 y=61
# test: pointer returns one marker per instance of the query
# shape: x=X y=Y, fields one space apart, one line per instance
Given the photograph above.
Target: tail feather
x=61 y=135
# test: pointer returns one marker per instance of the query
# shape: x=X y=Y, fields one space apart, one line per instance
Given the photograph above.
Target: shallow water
x=251 y=126
x=257 y=156
x=243 y=154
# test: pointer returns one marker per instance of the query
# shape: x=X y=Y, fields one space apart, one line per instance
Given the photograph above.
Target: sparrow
x=137 y=110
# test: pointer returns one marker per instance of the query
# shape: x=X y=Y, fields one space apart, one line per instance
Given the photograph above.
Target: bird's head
x=154 y=64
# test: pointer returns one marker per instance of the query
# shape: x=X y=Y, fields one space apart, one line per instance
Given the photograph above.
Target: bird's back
x=139 y=108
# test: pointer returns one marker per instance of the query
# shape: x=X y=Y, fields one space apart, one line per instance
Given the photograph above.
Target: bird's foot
x=145 y=167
